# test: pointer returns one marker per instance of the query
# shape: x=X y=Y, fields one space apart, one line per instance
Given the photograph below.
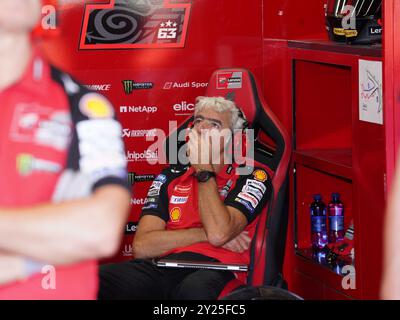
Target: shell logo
x=95 y=106
x=260 y=175
x=175 y=214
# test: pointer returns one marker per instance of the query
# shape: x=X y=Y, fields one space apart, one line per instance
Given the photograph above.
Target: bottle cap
x=317 y=197
x=335 y=195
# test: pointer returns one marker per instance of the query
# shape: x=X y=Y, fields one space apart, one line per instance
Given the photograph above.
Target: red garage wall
x=220 y=34
x=250 y=34
x=173 y=67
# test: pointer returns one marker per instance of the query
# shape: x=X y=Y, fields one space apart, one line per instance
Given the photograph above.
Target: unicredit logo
x=138 y=109
x=127 y=251
x=141 y=156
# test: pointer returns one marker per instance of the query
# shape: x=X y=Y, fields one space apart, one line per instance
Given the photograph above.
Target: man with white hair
x=206 y=212
x=64 y=198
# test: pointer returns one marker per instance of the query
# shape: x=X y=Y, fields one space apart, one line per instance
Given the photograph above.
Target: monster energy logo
x=130 y=85
x=133 y=177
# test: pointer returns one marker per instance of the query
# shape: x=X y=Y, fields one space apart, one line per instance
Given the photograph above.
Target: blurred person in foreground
x=64 y=198
x=390 y=289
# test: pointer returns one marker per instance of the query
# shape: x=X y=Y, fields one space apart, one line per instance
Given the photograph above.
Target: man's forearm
x=214 y=215
x=156 y=243
x=67 y=232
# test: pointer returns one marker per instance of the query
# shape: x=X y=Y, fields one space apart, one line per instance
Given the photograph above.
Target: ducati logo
x=141 y=24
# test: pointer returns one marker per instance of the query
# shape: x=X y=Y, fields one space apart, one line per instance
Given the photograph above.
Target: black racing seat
x=272 y=149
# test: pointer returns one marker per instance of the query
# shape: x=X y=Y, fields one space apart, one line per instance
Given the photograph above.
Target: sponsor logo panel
x=253 y=191
x=178 y=200
x=95 y=106
x=98 y=87
x=28 y=164
x=138 y=109
x=130 y=228
x=260 y=175
x=129 y=133
x=256 y=184
x=247 y=204
x=175 y=214
x=138 y=201
x=249 y=198
x=146 y=155
x=127 y=251
x=183 y=108
x=229 y=80
x=183 y=85
x=33 y=123
x=130 y=85
x=134 y=177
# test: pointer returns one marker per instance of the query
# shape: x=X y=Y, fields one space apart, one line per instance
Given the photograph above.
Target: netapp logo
x=98 y=87
x=183 y=108
x=138 y=109
x=128 y=133
x=141 y=201
x=130 y=228
x=130 y=85
x=133 y=177
x=141 y=156
x=183 y=85
x=377 y=30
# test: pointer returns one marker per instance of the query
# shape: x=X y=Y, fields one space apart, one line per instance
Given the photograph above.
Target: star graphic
x=175 y=24
x=162 y=25
x=169 y=23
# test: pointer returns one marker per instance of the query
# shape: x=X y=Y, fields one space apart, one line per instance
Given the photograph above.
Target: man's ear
x=189 y=127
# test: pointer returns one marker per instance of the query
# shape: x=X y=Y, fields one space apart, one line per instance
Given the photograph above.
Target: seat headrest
x=236 y=85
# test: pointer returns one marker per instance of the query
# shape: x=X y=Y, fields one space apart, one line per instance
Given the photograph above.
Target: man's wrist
x=199 y=168
x=204 y=176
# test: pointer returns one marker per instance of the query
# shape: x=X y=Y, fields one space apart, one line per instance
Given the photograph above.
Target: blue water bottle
x=319 y=237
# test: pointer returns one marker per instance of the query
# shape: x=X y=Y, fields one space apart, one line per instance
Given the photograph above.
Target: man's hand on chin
x=200 y=151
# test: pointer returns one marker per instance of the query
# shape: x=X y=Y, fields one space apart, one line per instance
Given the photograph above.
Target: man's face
x=218 y=126
x=208 y=119
x=19 y=15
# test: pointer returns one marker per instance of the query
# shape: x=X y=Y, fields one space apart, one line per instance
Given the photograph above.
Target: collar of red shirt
x=34 y=73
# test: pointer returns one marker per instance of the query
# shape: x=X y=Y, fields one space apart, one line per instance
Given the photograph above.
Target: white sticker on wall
x=370 y=91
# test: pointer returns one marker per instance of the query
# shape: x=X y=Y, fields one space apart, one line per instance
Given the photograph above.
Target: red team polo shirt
x=51 y=129
x=173 y=197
